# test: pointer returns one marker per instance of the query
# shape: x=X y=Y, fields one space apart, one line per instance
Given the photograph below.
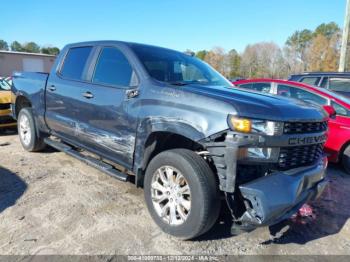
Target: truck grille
x=307 y=127
x=292 y=157
x=5 y=106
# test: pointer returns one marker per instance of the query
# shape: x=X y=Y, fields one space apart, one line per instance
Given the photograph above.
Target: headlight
x=245 y=125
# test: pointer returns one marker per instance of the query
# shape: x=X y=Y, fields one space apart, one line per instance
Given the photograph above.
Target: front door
x=104 y=123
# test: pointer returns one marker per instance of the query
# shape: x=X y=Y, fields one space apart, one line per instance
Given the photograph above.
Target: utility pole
x=345 y=39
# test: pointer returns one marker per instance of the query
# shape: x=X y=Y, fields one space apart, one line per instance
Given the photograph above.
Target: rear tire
x=345 y=160
x=27 y=131
x=189 y=189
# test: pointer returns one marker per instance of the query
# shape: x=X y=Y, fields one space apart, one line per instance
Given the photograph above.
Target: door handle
x=132 y=93
x=88 y=95
x=52 y=88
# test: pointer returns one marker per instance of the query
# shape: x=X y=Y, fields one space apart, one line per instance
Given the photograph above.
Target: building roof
x=25 y=53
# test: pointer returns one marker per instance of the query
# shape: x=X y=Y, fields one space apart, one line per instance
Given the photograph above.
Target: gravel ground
x=51 y=203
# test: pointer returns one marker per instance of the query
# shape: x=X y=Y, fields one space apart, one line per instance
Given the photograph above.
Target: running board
x=100 y=165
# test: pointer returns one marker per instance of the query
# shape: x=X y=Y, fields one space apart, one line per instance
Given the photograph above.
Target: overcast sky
x=177 y=24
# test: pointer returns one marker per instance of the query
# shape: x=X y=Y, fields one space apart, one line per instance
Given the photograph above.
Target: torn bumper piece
x=276 y=197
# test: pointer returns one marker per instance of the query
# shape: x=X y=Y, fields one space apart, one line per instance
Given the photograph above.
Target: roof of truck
x=108 y=42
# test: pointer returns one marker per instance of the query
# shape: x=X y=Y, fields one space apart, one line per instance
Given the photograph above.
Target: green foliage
x=305 y=46
x=16 y=46
x=234 y=62
x=327 y=30
x=31 y=47
x=300 y=40
x=50 y=50
x=201 y=54
x=4 y=45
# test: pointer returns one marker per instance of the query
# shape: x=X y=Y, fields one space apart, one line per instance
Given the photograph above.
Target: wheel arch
x=21 y=102
x=159 y=136
x=342 y=149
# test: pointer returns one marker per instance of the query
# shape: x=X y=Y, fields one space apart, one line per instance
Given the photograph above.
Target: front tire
x=27 y=131
x=181 y=193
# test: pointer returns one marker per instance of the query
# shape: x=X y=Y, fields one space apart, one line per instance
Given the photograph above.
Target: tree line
x=29 y=47
x=304 y=50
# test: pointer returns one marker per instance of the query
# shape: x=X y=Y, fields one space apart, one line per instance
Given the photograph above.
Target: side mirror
x=330 y=110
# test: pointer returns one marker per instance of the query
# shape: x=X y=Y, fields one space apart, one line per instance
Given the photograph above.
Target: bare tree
x=263 y=59
x=216 y=58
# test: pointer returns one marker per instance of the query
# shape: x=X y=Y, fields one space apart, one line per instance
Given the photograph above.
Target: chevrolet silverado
x=173 y=125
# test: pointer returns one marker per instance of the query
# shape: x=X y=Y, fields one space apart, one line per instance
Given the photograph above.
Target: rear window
x=339 y=84
x=311 y=80
x=75 y=62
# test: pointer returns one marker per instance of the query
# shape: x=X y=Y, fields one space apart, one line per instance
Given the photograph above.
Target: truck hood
x=261 y=106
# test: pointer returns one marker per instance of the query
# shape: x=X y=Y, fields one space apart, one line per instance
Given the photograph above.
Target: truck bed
x=31 y=85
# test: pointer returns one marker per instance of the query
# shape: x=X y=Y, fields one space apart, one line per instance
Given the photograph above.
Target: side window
x=75 y=62
x=297 y=93
x=260 y=87
x=339 y=109
x=246 y=86
x=112 y=68
x=284 y=90
x=324 y=82
x=339 y=84
x=4 y=85
x=157 y=69
x=311 y=80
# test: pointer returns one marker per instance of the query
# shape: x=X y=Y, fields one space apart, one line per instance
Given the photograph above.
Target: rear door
x=64 y=101
x=340 y=125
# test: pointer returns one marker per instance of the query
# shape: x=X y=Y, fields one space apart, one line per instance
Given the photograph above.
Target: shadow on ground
x=330 y=213
x=12 y=188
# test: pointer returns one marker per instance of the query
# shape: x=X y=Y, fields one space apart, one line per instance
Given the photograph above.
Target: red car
x=338 y=106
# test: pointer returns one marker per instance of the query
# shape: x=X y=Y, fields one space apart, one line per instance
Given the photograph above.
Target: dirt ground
x=51 y=203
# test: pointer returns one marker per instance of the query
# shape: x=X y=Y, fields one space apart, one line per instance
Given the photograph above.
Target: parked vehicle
x=334 y=81
x=6 y=119
x=338 y=142
x=181 y=129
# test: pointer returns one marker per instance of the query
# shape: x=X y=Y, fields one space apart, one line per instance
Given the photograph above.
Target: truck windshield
x=177 y=68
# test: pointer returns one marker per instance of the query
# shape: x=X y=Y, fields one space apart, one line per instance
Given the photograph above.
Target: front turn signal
x=240 y=124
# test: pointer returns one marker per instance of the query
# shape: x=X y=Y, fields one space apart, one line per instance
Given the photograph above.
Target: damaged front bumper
x=273 y=198
x=269 y=197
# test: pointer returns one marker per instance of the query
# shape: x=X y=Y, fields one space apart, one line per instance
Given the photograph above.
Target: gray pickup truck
x=173 y=125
